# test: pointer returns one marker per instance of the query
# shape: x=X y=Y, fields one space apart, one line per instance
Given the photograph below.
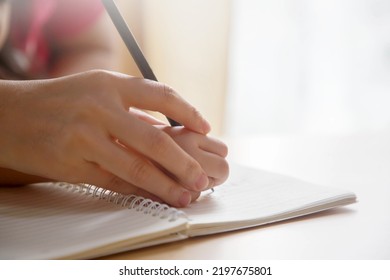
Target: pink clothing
x=36 y=24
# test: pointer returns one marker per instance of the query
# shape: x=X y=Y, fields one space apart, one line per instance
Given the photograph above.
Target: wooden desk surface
x=360 y=163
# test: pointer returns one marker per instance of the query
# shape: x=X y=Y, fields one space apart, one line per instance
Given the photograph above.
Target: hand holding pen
x=147 y=73
x=78 y=128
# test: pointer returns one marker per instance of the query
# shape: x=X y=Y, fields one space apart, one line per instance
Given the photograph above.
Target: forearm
x=9 y=94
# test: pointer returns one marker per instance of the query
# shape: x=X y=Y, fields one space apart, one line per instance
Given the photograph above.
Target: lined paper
x=42 y=221
x=254 y=197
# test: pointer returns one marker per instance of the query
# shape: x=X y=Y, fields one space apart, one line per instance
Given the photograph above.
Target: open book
x=60 y=220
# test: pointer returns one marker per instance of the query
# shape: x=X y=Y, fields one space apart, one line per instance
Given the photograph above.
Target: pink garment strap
x=35 y=46
x=38 y=23
x=72 y=17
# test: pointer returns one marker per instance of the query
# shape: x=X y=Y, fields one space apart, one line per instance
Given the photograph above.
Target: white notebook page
x=253 y=197
x=40 y=222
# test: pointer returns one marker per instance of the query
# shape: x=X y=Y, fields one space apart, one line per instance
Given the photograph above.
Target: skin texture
x=78 y=129
x=82 y=125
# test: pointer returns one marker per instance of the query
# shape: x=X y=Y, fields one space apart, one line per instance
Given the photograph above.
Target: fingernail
x=202 y=182
x=185 y=199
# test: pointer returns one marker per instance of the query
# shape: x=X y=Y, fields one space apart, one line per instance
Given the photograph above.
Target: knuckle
x=138 y=171
x=172 y=191
x=101 y=82
x=99 y=74
x=158 y=142
x=190 y=168
x=114 y=183
x=168 y=93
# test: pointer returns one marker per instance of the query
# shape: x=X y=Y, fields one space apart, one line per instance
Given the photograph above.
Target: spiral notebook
x=66 y=221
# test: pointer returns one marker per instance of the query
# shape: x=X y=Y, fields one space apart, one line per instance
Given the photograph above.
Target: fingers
x=159 y=147
x=141 y=115
x=213 y=159
x=151 y=95
x=217 y=168
x=95 y=175
x=214 y=146
x=209 y=152
x=144 y=144
x=85 y=132
x=137 y=170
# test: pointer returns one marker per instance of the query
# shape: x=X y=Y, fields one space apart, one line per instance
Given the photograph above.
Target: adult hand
x=209 y=152
x=78 y=129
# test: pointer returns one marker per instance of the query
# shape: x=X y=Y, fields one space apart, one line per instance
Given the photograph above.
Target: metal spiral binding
x=138 y=203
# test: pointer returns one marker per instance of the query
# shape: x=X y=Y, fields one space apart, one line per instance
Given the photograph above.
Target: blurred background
x=270 y=66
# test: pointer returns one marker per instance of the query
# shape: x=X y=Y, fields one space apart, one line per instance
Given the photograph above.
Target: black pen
x=131 y=44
